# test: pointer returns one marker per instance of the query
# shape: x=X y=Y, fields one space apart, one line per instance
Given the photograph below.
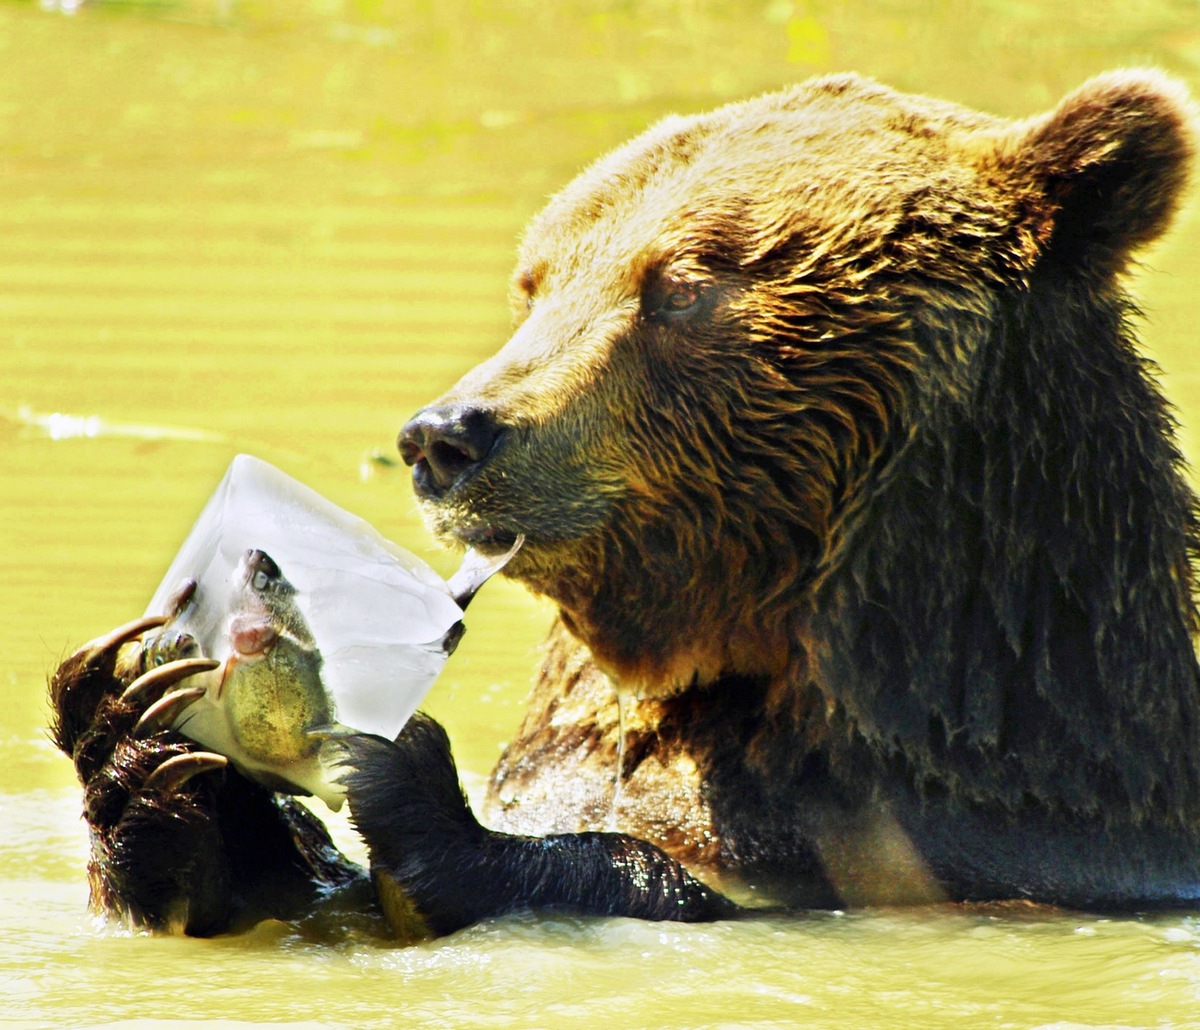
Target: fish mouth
x=251 y=636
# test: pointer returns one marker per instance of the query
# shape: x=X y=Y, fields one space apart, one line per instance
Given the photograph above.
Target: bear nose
x=444 y=445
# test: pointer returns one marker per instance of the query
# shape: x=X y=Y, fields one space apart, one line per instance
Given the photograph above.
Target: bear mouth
x=457 y=522
x=487 y=539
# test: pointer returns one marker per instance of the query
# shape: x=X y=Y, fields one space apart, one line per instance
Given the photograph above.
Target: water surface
x=280 y=227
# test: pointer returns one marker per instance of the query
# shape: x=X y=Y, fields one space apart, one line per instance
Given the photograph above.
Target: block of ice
x=321 y=626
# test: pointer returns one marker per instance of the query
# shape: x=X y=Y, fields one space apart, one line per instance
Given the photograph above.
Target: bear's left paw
x=436 y=869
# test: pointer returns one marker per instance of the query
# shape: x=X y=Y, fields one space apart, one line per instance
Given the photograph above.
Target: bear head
x=727 y=330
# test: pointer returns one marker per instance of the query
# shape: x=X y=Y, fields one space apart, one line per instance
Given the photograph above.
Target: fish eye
x=261 y=580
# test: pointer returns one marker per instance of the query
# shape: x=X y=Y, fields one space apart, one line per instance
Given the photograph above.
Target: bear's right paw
x=158 y=857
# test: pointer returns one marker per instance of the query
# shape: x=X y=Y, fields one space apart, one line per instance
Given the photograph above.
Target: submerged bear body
x=826 y=430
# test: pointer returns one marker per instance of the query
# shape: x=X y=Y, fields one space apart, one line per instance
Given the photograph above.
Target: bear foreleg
x=427 y=846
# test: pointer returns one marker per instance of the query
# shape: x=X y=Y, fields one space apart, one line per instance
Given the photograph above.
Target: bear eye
x=672 y=300
x=680 y=301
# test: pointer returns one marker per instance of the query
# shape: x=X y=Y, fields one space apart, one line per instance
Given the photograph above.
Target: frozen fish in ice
x=320 y=626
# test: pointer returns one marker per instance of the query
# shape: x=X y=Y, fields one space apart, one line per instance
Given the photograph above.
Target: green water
x=280 y=228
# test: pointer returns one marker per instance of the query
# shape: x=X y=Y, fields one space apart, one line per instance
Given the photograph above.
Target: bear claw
x=164 y=711
x=164 y=838
x=176 y=771
x=107 y=643
x=158 y=679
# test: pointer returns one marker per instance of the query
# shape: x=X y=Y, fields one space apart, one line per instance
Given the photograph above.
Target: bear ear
x=1108 y=166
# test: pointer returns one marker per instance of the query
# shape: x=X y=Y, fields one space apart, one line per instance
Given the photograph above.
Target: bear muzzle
x=446 y=446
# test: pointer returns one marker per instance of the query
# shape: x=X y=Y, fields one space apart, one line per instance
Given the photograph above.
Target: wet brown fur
x=873 y=551
x=820 y=272
x=891 y=291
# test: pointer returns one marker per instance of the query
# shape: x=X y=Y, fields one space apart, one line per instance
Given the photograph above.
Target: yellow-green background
x=279 y=227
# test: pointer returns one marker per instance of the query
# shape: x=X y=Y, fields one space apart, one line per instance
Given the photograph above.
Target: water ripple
x=59 y=425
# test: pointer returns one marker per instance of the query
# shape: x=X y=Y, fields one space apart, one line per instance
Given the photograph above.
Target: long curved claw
x=165 y=711
x=154 y=682
x=175 y=772
x=109 y=642
x=86 y=679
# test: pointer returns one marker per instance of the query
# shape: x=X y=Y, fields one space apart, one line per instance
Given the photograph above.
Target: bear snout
x=447 y=445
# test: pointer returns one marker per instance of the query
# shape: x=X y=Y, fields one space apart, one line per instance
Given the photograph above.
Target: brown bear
x=824 y=425
x=873 y=552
